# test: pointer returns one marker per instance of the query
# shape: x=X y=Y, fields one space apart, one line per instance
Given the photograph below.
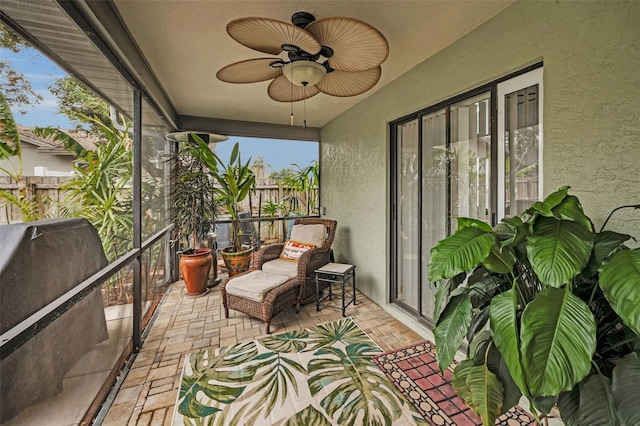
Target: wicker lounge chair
x=299 y=287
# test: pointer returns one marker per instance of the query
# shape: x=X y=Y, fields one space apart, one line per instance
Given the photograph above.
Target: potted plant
x=234 y=181
x=193 y=210
x=562 y=302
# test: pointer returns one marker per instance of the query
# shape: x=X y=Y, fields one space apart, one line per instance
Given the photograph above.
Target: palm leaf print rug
x=318 y=376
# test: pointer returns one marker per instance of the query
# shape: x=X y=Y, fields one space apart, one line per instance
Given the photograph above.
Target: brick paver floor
x=186 y=324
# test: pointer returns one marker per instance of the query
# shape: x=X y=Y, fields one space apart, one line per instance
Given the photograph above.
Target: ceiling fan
x=337 y=56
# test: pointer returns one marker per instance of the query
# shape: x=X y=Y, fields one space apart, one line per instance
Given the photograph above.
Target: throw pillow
x=292 y=250
x=311 y=234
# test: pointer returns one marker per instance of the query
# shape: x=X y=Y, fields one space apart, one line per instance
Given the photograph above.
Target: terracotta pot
x=195 y=270
x=237 y=262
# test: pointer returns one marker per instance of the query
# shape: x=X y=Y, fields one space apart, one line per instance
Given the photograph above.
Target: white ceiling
x=185 y=43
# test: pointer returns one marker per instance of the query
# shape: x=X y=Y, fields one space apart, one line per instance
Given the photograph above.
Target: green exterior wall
x=591 y=54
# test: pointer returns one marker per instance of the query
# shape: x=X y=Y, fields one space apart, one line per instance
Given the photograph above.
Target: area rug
x=415 y=372
x=324 y=375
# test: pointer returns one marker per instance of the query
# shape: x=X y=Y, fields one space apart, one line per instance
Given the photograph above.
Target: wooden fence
x=45 y=190
x=48 y=192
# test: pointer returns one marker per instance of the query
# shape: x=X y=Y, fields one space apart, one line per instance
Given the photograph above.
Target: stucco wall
x=591 y=118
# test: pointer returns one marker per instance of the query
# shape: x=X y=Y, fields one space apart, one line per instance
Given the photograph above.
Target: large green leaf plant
x=193 y=198
x=234 y=178
x=550 y=309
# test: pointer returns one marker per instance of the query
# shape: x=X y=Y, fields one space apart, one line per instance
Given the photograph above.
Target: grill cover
x=39 y=262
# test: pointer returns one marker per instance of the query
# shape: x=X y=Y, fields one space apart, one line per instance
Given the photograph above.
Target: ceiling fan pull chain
x=304 y=112
x=291 y=102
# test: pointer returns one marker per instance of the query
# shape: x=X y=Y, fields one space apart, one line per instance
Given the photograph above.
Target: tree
x=81 y=105
x=258 y=167
x=10 y=150
x=15 y=86
x=305 y=180
x=15 y=91
x=281 y=175
x=100 y=190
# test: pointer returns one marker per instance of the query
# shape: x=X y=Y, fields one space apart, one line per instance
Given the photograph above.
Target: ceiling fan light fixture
x=304 y=73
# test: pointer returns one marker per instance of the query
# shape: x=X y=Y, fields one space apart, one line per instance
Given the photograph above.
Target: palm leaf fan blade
x=268 y=35
x=249 y=71
x=341 y=83
x=356 y=45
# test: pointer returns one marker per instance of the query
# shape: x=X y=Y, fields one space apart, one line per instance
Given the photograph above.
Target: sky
x=277 y=154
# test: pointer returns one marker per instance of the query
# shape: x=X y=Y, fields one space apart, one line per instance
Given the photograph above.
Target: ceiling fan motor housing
x=302 y=19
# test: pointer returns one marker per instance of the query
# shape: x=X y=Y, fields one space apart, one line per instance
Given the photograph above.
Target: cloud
x=42 y=80
x=48 y=99
x=44 y=114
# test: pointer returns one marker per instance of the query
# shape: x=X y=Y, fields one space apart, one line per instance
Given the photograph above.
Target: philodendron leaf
x=558 y=337
x=504 y=330
x=571 y=209
x=596 y=402
x=451 y=328
x=511 y=231
x=486 y=393
x=477 y=349
x=558 y=250
x=478 y=322
x=459 y=381
x=482 y=289
x=625 y=385
x=511 y=393
x=545 y=207
x=460 y=252
x=544 y=404
x=620 y=282
x=569 y=406
x=464 y=222
x=443 y=293
x=606 y=242
x=500 y=260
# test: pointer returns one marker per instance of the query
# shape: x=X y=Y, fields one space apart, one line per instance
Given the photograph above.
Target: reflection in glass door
x=456 y=171
x=470 y=159
x=451 y=180
x=435 y=163
x=407 y=223
x=519 y=143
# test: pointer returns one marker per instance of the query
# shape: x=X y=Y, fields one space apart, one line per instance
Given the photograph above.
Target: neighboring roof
x=49 y=146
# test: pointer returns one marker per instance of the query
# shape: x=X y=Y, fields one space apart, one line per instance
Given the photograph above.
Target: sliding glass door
x=450 y=162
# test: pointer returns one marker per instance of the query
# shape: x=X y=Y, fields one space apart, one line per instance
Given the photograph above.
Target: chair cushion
x=310 y=234
x=255 y=285
x=292 y=250
x=281 y=267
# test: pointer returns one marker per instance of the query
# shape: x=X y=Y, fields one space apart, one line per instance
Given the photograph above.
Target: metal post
x=343 y=285
x=353 y=281
x=137 y=218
